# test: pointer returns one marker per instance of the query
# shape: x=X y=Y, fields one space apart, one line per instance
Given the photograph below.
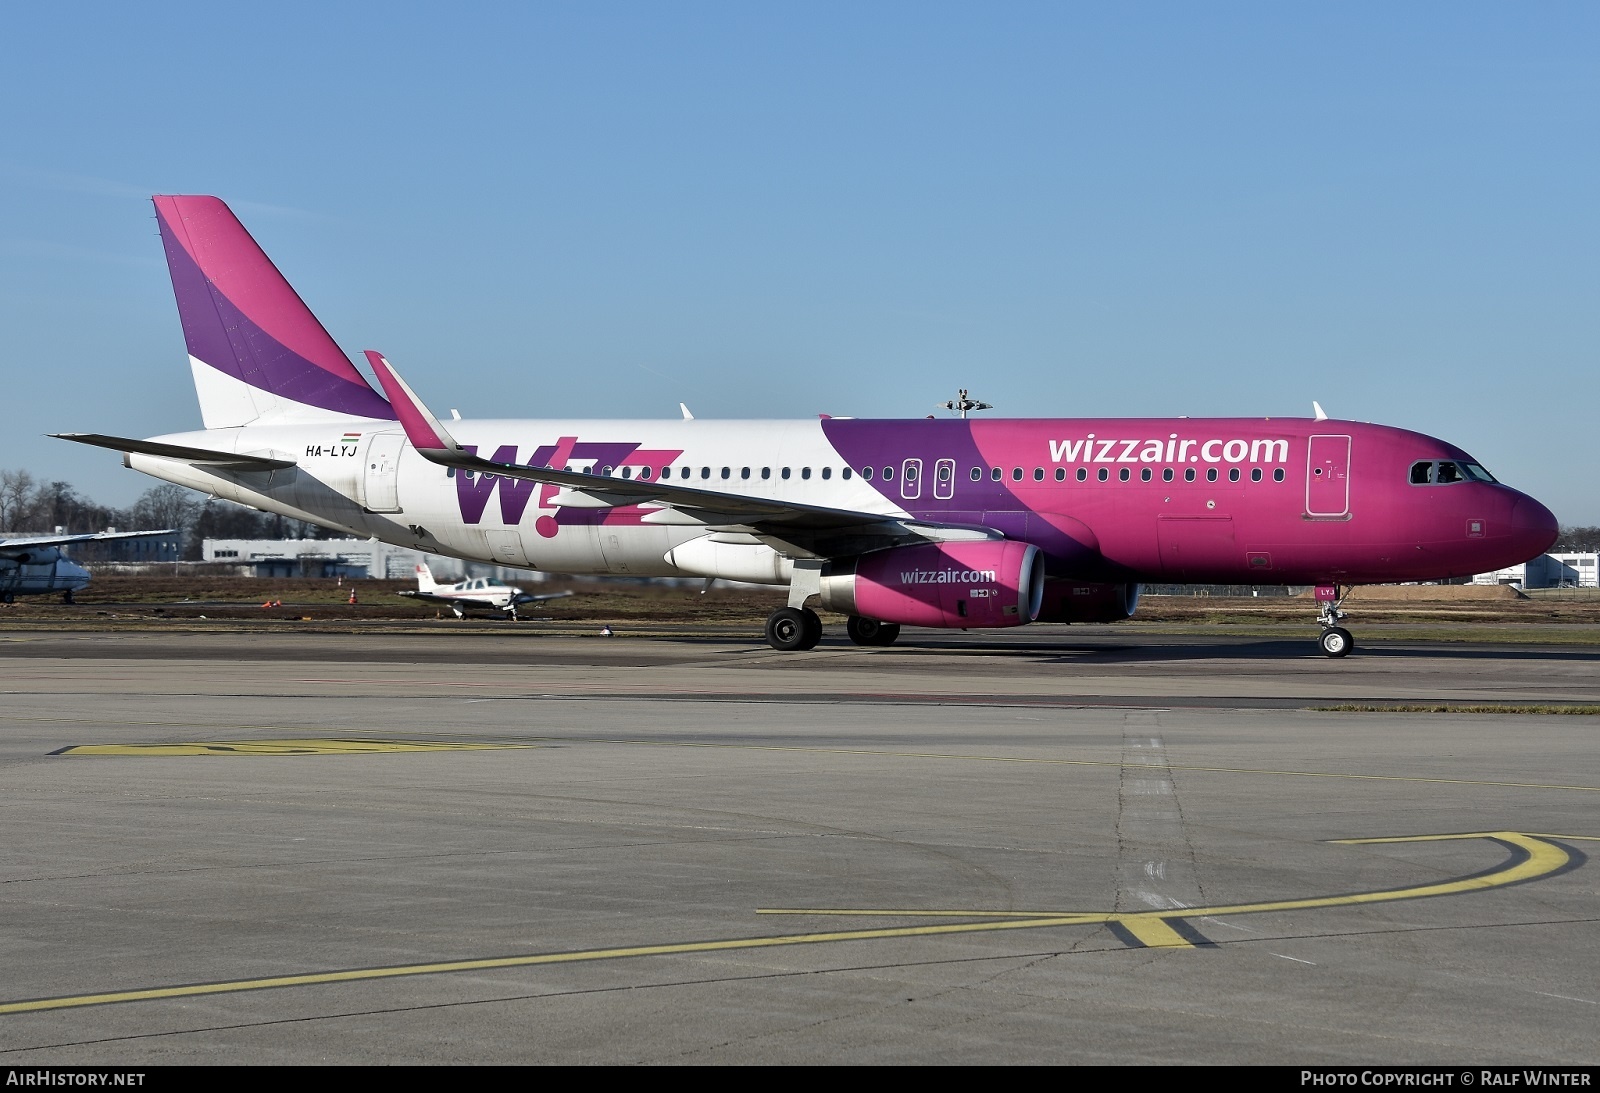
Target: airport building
x=351 y=558
x=1549 y=571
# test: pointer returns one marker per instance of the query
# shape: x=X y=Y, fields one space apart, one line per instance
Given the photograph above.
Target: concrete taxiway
x=255 y=846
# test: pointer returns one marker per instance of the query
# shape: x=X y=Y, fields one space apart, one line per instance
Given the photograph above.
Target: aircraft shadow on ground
x=1209 y=649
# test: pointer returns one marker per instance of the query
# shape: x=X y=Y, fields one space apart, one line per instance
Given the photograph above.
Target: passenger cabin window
x=977 y=474
x=1061 y=474
x=1277 y=475
x=888 y=474
x=766 y=472
x=996 y=474
x=827 y=472
x=1188 y=474
x=866 y=472
x=1105 y=473
x=786 y=472
x=805 y=472
x=744 y=472
x=1233 y=474
x=1255 y=474
x=1083 y=474
x=1144 y=475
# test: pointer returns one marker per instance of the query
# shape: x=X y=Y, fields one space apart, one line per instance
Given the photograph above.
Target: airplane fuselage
x=1221 y=500
x=58 y=575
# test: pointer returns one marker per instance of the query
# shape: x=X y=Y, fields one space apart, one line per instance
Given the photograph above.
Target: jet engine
x=966 y=585
x=1075 y=601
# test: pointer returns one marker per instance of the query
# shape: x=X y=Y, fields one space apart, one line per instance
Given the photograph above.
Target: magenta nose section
x=1534 y=528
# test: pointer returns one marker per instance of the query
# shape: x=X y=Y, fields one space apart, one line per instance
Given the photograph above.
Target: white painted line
x=1296 y=959
x=1568 y=998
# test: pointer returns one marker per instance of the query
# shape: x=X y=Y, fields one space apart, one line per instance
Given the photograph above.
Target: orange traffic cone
x=352 y=595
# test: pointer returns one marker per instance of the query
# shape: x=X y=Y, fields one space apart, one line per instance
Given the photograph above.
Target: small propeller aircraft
x=475 y=594
x=35 y=566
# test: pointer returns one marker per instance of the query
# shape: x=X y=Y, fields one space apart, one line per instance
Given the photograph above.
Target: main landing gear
x=793 y=628
x=1335 y=640
x=797 y=627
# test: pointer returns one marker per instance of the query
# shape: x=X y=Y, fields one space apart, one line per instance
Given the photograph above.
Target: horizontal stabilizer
x=226 y=461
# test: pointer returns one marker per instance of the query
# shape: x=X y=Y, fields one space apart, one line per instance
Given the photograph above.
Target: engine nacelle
x=965 y=585
x=43 y=555
x=1074 y=601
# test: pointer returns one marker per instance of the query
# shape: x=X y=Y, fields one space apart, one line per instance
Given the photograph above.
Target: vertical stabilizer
x=425 y=581
x=259 y=355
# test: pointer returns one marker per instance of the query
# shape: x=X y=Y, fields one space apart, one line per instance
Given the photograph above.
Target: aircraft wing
x=459 y=601
x=789 y=525
x=227 y=461
x=62 y=540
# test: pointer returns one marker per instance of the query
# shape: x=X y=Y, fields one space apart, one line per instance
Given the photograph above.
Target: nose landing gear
x=1335 y=640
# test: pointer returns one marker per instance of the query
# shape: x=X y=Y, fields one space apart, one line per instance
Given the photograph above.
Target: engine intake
x=949 y=585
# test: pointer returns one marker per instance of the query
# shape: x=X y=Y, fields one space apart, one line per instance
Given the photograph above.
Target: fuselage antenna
x=962 y=405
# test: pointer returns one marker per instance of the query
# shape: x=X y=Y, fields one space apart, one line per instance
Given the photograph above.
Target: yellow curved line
x=1152 y=928
x=1544 y=858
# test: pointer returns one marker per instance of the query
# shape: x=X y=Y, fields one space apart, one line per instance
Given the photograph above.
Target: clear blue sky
x=767 y=210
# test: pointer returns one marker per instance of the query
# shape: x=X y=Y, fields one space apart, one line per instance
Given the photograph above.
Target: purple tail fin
x=259 y=355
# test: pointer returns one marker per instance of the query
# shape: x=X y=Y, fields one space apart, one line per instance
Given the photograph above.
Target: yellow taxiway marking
x=1532 y=856
x=884 y=753
x=297 y=746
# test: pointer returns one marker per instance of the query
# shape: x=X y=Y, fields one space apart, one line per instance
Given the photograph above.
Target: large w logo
x=473 y=490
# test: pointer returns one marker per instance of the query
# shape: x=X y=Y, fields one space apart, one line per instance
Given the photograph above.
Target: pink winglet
x=422 y=428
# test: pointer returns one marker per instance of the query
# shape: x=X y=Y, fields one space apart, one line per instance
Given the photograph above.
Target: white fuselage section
x=364 y=478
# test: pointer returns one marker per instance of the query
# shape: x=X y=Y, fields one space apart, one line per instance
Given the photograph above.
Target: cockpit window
x=1445 y=472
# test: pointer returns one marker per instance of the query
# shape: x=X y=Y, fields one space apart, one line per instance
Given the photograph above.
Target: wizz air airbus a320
x=955 y=523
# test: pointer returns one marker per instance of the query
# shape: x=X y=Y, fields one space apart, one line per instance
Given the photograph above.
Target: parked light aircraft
x=475 y=594
x=35 y=566
x=957 y=522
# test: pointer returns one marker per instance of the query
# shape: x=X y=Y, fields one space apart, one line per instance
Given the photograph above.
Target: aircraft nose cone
x=1534 y=526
